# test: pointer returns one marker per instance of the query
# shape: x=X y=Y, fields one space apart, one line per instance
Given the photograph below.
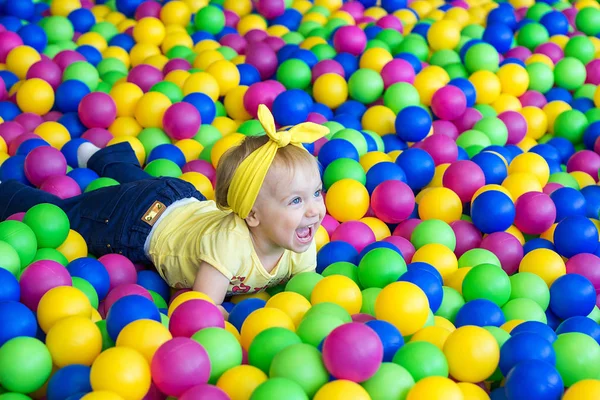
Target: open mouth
x=305 y=234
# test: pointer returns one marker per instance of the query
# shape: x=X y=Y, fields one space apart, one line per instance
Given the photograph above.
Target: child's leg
x=118 y=162
x=16 y=197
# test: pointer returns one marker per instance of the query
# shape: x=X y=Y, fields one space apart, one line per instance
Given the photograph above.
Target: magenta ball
x=405 y=228
x=231 y=18
x=99 y=137
x=467 y=120
x=16 y=142
x=520 y=52
x=38 y=278
x=357 y=233
x=10 y=130
x=587 y=265
x=516 y=125
x=178 y=365
x=464 y=178
x=270 y=8
x=62 y=186
x=593 y=72
x=585 y=161
x=448 y=102
x=52 y=116
x=201 y=166
x=145 y=76
x=263 y=58
x=8 y=41
x=390 y=21
x=194 y=315
x=316 y=118
x=551 y=50
x=397 y=70
x=67 y=57
x=3 y=91
x=468 y=237
x=128 y=289
x=551 y=187
x=350 y=39
x=46 y=70
x=16 y=217
x=176 y=64
x=274 y=42
x=29 y=121
x=532 y=98
x=393 y=201
x=261 y=93
x=330 y=224
x=405 y=246
x=447 y=128
x=255 y=35
x=97 y=110
x=43 y=162
x=507 y=248
x=441 y=148
x=204 y=392
x=362 y=318
x=352 y=351
x=235 y=41
x=181 y=121
x=120 y=270
x=534 y=213
x=148 y=9
x=154 y=394
x=327 y=67
x=354 y=8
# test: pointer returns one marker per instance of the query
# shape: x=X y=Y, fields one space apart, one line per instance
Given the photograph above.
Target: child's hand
x=211 y=282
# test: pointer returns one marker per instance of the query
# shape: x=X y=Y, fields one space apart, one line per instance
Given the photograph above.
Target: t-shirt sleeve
x=224 y=251
x=305 y=262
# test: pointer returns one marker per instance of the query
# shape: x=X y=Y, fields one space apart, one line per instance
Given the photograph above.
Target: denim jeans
x=111 y=219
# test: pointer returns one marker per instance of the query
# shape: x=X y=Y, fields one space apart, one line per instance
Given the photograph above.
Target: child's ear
x=252 y=219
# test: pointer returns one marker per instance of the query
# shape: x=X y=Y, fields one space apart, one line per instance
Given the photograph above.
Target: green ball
x=587 y=21
x=380 y=267
x=569 y=73
x=179 y=52
x=452 y=302
x=593 y=115
x=277 y=389
x=525 y=309
x=209 y=19
x=111 y=64
x=207 y=135
x=52 y=50
x=303 y=283
x=330 y=309
x=86 y=288
x=251 y=127
x=587 y=90
x=49 y=223
x=564 y=179
x=494 y=129
x=377 y=44
x=594 y=316
x=526 y=285
x=577 y=357
x=473 y=31
x=321 y=10
x=293 y=38
x=105 y=29
x=355 y=137
x=392 y=38
x=82 y=71
x=377 y=139
x=475 y=257
x=294 y=74
x=342 y=268
x=571 y=125
x=318 y=32
x=456 y=70
x=501 y=337
x=581 y=48
x=104 y=87
x=401 y=95
x=334 y=127
x=169 y=89
x=267 y=344
x=316 y=327
x=421 y=360
x=14 y=396
x=152 y=137
x=100 y=183
x=369 y=297
x=163 y=167
x=442 y=58
x=303 y=364
x=482 y=57
x=415 y=45
x=332 y=25
x=473 y=137
x=307 y=27
x=107 y=342
x=25 y=365
x=58 y=29
x=323 y=51
x=541 y=77
x=21 y=238
x=487 y=281
x=9 y=259
x=343 y=168
x=158 y=300
x=224 y=350
x=164 y=320
x=532 y=35
x=433 y=231
x=486 y=110
x=111 y=77
x=537 y=11
x=50 y=254
x=391 y=381
x=365 y=85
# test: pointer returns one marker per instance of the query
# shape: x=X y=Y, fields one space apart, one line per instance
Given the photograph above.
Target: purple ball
x=194 y=315
x=145 y=76
x=204 y=392
x=532 y=98
x=397 y=70
x=235 y=41
x=519 y=52
x=52 y=116
x=390 y=21
x=263 y=58
x=176 y=64
x=29 y=121
x=467 y=120
x=46 y=70
x=120 y=270
x=181 y=121
x=8 y=41
x=593 y=72
x=270 y=8
x=16 y=142
x=441 y=148
x=255 y=36
x=449 y=102
x=38 y=278
x=552 y=50
x=201 y=166
x=464 y=178
x=357 y=233
x=350 y=39
x=128 y=289
x=507 y=248
x=148 y=9
x=353 y=351
x=354 y=8
x=586 y=161
x=67 y=57
x=261 y=93
x=10 y=130
x=468 y=237
x=587 y=265
x=99 y=137
x=404 y=245
x=274 y=42
x=516 y=125
x=327 y=67
x=446 y=128
x=62 y=186
x=97 y=110
x=44 y=162
x=534 y=213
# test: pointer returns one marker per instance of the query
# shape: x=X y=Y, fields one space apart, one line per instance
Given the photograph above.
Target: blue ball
x=525 y=346
x=291 y=19
x=167 y=151
x=151 y=280
x=351 y=107
x=412 y=60
x=591 y=194
x=69 y=94
x=582 y=104
x=534 y=379
x=92 y=271
x=348 y=121
x=33 y=36
x=564 y=147
x=548 y=152
x=537 y=243
x=128 y=309
x=9 y=286
x=22 y=9
x=493 y=167
x=552 y=320
x=503 y=15
x=536 y=327
x=421 y=29
x=498 y=394
x=479 y=312
x=336 y=251
x=512 y=60
x=467 y=46
x=240 y=312
x=371 y=143
x=322 y=109
x=307 y=56
x=580 y=324
x=12 y=24
x=348 y=62
x=335 y=149
x=572 y=295
x=287 y=52
x=122 y=40
x=30 y=144
x=558 y=94
x=492 y=211
x=378 y=245
x=423 y=266
x=503 y=151
x=77 y=396
x=69 y=381
x=392 y=142
x=413 y=124
x=16 y=320
x=205 y=106
x=467 y=88
x=8 y=110
x=569 y=202
x=393 y=5
x=128 y=7
x=591 y=134
x=575 y=235
x=555 y=22
x=91 y=54
x=429 y=284
x=202 y=35
x=418 y=166
x=83 y=177
x=69 y=150
x=292 y=107
x=499 y=35
x=513 y=150
x=228 y=306
x=462 y=154
x=9 y=79
x=73 y=124
x=225 y=31
x=14 y=168
x=248 y=74
x=381 y=172
x=82 y=20
x=390 y=337
x=372 y=31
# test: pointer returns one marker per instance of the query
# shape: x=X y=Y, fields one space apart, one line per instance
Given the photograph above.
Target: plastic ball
x=74 y=340
x=347 y=200
x=308 y=371
x=194 y=315
x=413 y=123
x=40 y=277
x=472 y=354
x=575 y=235
x=69 y=381
x=439 y=203
x=121 y=370
x=396 y=210
x=572 y=295
x=534 y=377
x=59 y=303
x=449 y=102
x=129 y=309
x=25 y=365
x=339 y=290
x=145 y=336
x=409 y=318
x=35 y=96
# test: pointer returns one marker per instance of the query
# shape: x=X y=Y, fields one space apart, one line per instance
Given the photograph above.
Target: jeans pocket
x=101 y=204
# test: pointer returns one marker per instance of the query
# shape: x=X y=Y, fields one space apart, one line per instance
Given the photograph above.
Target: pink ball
x=397 y=70
x=593 y=72
x=203 y=167
x=10 y=130
x=406 y=228
x=120 y=270
x=393 y=201
x=16 y=217
x=204 y=392
x=520 y=52
x=448 y=102
x=352 y=351
x=181 y=121
x=256 y=35
x=261 y=93
x=270 y=8
x=464 y=178
x=587 y=265
x=552 y=50
x=16 y=142
x=178 y=365
x=176 y=64
x=154 y=394
x=350 y=39
x=195 y=315
x=62 y=186
x=231 y=18
x=532 y=98
x=585 y=161
x=534 y=213
x=263 y=58
x=441 y=148
x=390 y=21
x=52 y=116
x=275 y=43
x=128 y=289
x=148 y=9
x=99 y=137
x=38 y=278
x=357 y=233
x=235 y=41
x=362 y=318
x=47 y=71
x=67 y=57
x=8 y=41
x=318 y=144
x=467 y=235
x=97 y=110
x=145 y=76
x=44 y=162
x=507 y=248
x=3 y=91
x=327 y=67
x=551 y=187
x=467 y=120
x=516 y=125
x=405 y=246
x=316 y=118
x=29 y=121
x=447 y=128
x=354 y=8
x=330 y=224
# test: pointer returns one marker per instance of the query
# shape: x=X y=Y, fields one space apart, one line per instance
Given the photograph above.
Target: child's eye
x=297 y=200
x=318 y=193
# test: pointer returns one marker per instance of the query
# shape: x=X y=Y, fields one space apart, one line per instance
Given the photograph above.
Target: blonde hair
x=290 y=157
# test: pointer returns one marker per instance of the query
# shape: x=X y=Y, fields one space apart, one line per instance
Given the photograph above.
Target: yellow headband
x=250 y=175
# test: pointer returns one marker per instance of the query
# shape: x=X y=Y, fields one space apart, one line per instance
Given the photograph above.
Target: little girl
x=257 y=234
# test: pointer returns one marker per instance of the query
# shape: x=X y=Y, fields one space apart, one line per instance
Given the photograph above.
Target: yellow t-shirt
x=199 y=231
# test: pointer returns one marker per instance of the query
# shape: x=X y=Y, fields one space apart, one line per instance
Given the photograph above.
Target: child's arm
x=212 y=283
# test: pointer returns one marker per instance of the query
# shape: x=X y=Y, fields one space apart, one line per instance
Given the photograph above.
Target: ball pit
x=459 y=257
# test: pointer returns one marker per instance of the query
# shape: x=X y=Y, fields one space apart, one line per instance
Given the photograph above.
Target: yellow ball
x=144 y=336
x=379 y=228
x=549 y=233
x=459 y=15
x=206 y=58
x=200 y=182
x=150 y=108
x=64 y=7
x=234 y=103
x=202 y=82
x=225 y=125
x=257 y=295
x=347 y=200
x=123 y=371
x=435 y=388
x=545 y=263
x=444 y=35
x=311 y=42
x=456 y=279
x=404 y=305
x=331 y=5
x=35 y=96
x=224 y=144
x=102 y=395
x=62 y=302
x=435 y=335
x=340 y=290
x=141 y=52
x=507 y=102
x=531 y=163
x=230 y=328
x=471 y=391
x=20 y=59
x=118 y=53
x=93 y=39
x=250 y=22
x=240 y=7
x=438 y=175
x=149 y=30
x=519 y=183
x=261 y=319
x=330 y=89
x=226 y=74
x=553 y=110
x=372 y=158
x=74 y=246
x=583 y=178
x=375 y=58
x=115 y=18
x=429 y=80
x=206 y=44
x=125 y=126
x=183 y=297
x=442 y=258
x=379 y=119
x=178 y=77
x=321 y=237
x=291 y=303
x=443 y=323
x=537 y=122
x=53 y=133
x=74 y=340
x=508 y=326
x=487 y=86
x=587 y=389
x=472 y=353
x=175 y=13
x=239 y=382
x=3 y=147
x=440 y=203
x=190 y=148
x=3 y=157
x=539 y=58
x=514 y=79
x=342 y=390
